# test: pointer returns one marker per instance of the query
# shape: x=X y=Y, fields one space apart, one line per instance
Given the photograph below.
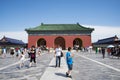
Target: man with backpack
x=58 y=52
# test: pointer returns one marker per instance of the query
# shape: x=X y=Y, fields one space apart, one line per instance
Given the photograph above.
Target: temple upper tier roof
x=60 y=27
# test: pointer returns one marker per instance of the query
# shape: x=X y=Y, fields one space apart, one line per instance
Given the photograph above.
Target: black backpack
x=61 y=54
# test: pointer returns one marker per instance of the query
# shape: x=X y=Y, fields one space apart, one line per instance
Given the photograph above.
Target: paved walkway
x=91 y=66
x=12 y=72
x=53 y=73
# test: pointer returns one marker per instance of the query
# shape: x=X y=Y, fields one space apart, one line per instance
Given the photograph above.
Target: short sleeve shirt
x=69 y=59
x=58 y=51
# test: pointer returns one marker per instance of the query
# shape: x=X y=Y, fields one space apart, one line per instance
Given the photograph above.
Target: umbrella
x=110 y=46
x=90 y=47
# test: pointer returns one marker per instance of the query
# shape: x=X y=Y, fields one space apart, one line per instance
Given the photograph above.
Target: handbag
x=61 y=54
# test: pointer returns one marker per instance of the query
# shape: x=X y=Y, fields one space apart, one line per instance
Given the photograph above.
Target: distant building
x=66 y=35
x=107 y=41
x=9 y=42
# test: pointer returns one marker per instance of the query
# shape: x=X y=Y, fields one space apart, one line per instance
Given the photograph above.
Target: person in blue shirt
x=4 y=52
x=69 y=60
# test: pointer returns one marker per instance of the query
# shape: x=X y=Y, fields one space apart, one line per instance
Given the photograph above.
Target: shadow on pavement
x=60 y=74
x=52 y=66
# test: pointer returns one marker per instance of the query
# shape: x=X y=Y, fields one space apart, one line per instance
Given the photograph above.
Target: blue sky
x=16 y=15
x=21 y=14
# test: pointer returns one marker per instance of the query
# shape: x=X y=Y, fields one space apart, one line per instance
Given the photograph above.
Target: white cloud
x=100 y=32
x=20 y=35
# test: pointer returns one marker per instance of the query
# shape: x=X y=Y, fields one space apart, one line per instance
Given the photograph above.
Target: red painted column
x=86 y=40
x=49 y=41
x=68 y=41
x=32 y=41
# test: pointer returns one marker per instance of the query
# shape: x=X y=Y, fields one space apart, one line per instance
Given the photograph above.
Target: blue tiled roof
x=106 y=40
x=111 y=39
x=15 y=41
x=12 y=41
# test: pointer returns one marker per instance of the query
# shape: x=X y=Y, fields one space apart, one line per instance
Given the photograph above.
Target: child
x=22 y=59
x=69 y=60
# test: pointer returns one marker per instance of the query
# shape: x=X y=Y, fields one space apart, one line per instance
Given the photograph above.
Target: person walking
x=103 y=52
x=58 y=52
x=96 y=50
x=69 y=60
x=4 y=52
x=16 y=51
x=108 y=52
x=12 y=52
x=22 y=59
x=32 y=56
x=38 y=51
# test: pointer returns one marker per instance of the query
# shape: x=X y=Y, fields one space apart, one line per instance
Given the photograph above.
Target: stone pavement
x=7 y=61
x=53 y=73
x=86 y=66
x=12 y=72
x=45 y=70
x=91 y=66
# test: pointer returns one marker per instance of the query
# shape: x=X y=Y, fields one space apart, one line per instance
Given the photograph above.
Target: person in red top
x=109 y=51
